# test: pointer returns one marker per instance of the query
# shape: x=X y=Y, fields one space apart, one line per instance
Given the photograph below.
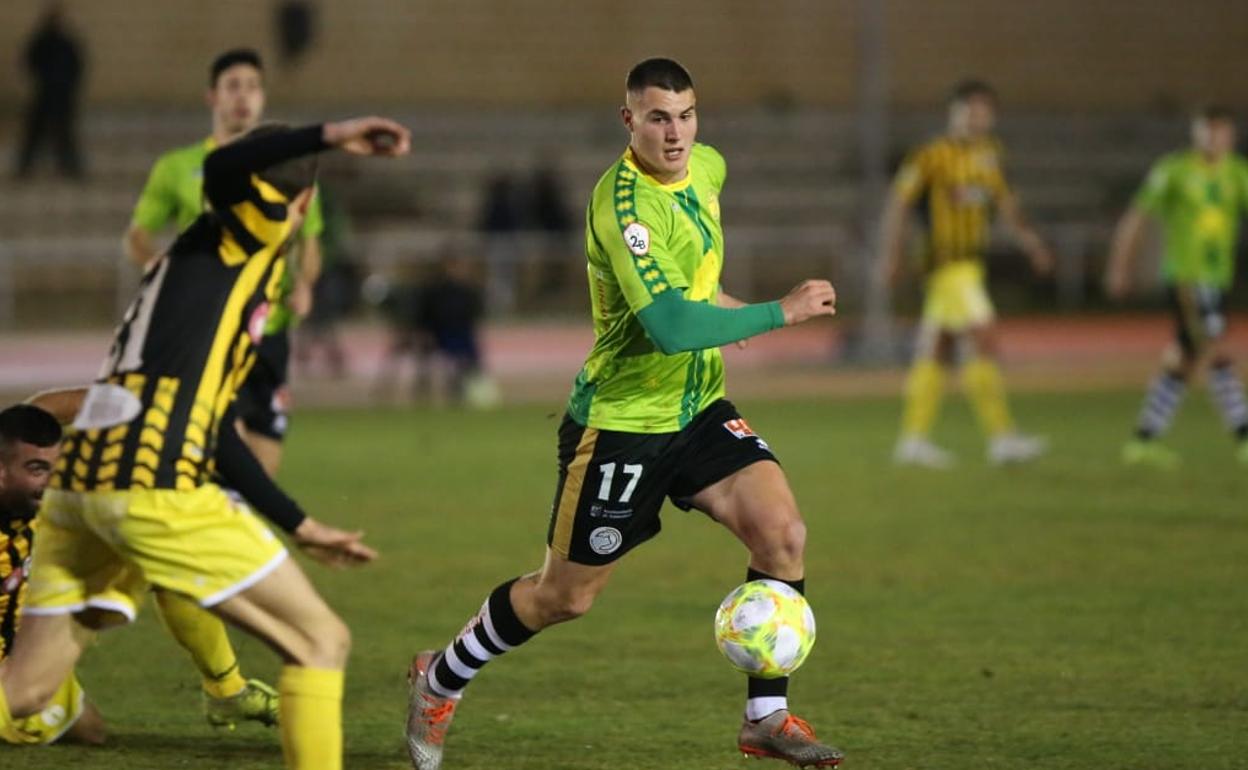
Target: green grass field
x=1070 y=614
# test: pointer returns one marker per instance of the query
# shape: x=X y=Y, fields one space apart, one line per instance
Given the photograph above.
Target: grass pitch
x=1069 y=614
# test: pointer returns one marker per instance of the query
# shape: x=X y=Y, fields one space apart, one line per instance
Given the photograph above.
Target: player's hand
x=1042 y=260
x=368 y=136
x=332 y=546
x=808 y=300
x=889 y=271
x=300 y=299
x=1117 y=281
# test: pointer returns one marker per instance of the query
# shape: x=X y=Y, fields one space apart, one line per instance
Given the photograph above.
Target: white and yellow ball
x=765 y=628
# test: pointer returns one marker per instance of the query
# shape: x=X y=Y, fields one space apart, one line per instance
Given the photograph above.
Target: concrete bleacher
x=793 y=197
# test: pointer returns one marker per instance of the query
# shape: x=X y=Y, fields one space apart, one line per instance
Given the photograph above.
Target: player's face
x=663 y=125
x=1214 y=138
x=237 y=100
x=24 y=474
x=974 y=116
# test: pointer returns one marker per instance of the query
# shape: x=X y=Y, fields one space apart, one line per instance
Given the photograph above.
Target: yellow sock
x=202 y=634
x=311 y=718
x=986 y=389
x=924 y=387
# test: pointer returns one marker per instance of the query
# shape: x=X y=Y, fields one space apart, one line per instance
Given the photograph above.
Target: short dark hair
x=660 y=73
x=1215 y=112
x=970 y=88
x=229 y=59
x=28 y=424
x=290 y=177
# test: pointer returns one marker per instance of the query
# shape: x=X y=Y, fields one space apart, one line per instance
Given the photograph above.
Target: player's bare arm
x=1122 y=252
x=893 y=227
x=1028 y=239
x=139 y=246
x=63 y=403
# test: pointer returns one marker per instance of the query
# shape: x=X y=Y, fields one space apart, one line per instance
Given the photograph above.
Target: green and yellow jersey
x=956 y=185
x=188 y=340
x=643 y=238
x=174 y=194
x=1199 y=205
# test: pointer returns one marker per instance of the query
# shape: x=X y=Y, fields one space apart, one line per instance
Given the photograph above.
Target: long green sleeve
x=676 y=324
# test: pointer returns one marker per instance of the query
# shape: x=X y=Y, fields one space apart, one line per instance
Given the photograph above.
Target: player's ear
x=626 y=115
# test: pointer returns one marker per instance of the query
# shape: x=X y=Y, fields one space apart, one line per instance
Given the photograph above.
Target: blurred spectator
x=55 y=62
x=501 y=221
x=550 y=218
x=296 y=30
x=335 y=291
x=448 y=312
x=436 y=322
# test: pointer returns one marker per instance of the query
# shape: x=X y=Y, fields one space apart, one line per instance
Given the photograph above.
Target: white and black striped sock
x=1163 y=399
x=1228 y=394
x=493 y=631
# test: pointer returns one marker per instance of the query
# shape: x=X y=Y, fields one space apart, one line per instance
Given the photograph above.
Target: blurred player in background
x=174 y=195
x=30 y=444
x=1198 y=195
x=647 y=419
x=957 y=183
x=132 y=501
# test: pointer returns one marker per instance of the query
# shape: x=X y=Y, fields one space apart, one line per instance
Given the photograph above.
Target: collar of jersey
x=630 y=160
x=210 y=144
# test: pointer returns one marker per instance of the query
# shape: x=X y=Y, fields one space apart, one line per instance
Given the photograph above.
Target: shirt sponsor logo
x=598 y=511
x=637 y=238
x=605 y=540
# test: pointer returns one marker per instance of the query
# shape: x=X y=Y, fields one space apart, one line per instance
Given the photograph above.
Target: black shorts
x=264 y=399
x=1199 y=316
x=612 y=484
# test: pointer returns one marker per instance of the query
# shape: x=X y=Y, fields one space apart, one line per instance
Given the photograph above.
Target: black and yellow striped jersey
x=16 y=540
x=188 y=340
x=956 y=184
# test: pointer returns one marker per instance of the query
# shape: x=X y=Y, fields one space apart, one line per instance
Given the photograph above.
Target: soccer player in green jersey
x=173 y=195
x=647 y=418
x=1199 y=195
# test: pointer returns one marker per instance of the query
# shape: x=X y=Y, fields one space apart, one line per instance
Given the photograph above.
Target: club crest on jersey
x=637 y=238
x=259 y=319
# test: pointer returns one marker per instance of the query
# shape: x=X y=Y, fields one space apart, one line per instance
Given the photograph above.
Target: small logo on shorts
x=739 y=428
x=605 y=540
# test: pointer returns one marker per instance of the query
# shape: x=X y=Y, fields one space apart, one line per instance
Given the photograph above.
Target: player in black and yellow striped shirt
x=29 y=445
x=957 y=184
x=132 y=501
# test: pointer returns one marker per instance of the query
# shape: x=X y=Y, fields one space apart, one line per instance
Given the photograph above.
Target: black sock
x=492 y=632
x=768 y=688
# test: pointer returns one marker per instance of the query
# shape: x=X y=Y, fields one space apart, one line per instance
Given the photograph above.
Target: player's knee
x=784 y=546
x=328 y=646
x=27 y=698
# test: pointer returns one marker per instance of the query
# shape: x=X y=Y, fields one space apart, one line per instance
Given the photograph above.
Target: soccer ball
x=765 y=628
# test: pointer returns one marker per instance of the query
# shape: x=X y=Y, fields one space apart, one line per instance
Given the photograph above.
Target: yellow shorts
x=60 y=714
x=957 y=298
x=103 y=549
